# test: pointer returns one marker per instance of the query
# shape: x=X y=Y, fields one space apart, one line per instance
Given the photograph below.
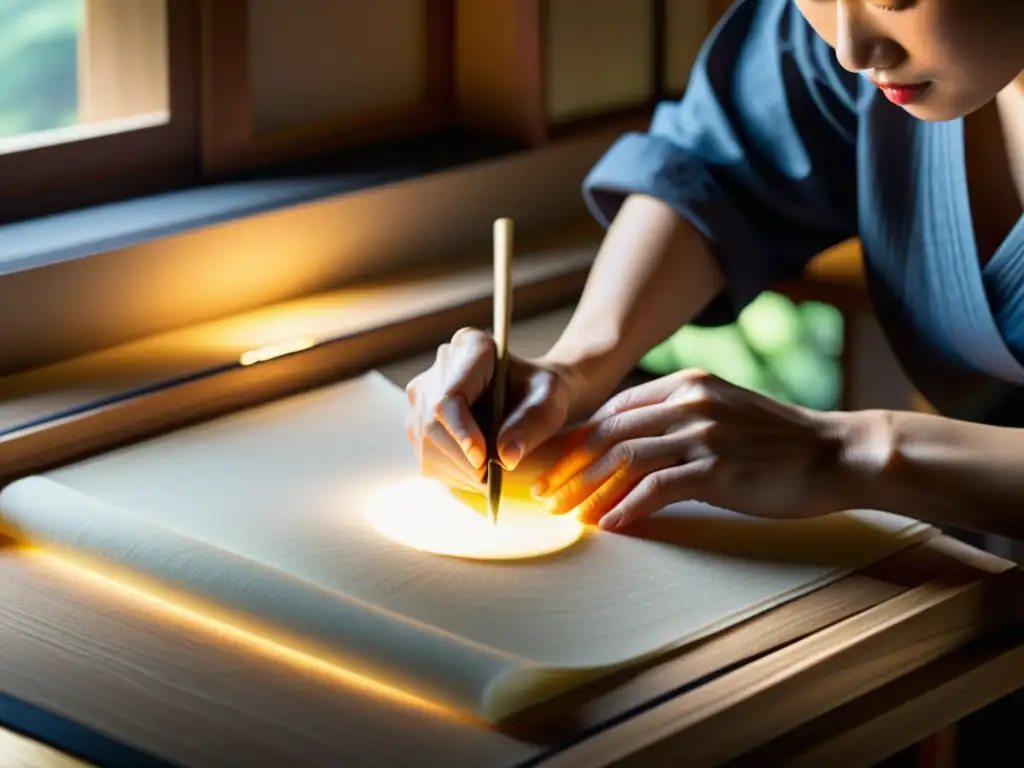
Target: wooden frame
x=485 y=64
x=557 y=128
x=687 y=48
x=788 y=666
x=229 y=141
x=129 y=161
x=125 y=46
x=501 y=70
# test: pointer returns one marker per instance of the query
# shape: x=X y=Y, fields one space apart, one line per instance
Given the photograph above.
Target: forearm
x=653 y=274
x=941 y=470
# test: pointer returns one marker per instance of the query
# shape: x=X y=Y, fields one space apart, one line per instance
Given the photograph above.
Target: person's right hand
x=442 y=424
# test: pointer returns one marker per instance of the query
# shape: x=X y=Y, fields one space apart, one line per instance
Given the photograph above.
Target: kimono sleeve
x=760 y=154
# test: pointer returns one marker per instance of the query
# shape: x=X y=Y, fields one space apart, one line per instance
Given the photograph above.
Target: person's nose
x=859 y=46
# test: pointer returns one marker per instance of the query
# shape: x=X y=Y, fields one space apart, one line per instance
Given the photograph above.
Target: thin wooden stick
x=503 y=245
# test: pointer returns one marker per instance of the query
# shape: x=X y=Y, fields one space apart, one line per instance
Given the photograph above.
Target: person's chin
x=939 y=107
x=932 y=114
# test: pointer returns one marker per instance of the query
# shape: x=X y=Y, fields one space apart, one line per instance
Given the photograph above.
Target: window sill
x=67 y=410
x=79 y=282
x=59 y=412
x=50 y=240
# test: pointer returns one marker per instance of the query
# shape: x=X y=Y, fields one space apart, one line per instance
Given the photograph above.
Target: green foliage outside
x=38 y=64
x=790 y=352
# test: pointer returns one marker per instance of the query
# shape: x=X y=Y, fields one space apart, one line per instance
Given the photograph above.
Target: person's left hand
x=693 y=436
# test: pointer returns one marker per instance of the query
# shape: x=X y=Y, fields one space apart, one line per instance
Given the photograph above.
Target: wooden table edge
x=904 y=712
x=932 y=619
x=780 y=692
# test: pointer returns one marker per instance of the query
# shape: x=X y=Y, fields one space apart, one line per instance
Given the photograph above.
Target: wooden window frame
x=501 y=85
x=485 y=74
x=655 y=74
x=113 y=165
x=229 y=142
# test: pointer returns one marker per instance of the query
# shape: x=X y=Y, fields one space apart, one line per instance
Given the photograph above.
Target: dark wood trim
x=229 y=142
x=441 y=54
x=718 y=8
x=93 y=171
x=499 y=69
x=629 y=119
x=659 y=28
x=225 y=65
x=502 y=76
x=535 y=29
x=554 y=131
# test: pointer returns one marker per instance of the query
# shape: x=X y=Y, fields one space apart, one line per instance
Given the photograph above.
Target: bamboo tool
x=503 y=234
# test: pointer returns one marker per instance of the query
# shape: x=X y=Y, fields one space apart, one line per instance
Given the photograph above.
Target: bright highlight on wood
x=273 y=351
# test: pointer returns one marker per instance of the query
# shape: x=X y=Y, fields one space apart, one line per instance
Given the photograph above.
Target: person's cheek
x=970 y=49
x=822 y=18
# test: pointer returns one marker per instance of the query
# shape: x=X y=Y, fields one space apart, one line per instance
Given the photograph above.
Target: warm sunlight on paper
x=425 y=515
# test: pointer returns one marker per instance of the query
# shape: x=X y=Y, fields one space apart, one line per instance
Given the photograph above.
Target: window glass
x=75 y=69
x=39 y=61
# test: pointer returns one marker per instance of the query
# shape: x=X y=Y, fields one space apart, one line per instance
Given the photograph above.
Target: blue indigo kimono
x=777 y=153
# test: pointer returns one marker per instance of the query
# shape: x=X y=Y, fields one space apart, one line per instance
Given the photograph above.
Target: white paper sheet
x=262 y=514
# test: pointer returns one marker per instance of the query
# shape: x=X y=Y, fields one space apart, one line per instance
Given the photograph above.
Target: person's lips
x=903 y=93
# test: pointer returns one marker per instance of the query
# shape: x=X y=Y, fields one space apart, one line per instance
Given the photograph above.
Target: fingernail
x=512 y=454
x=539 y=489
x=610 y=521
x=555 y=505
x=474 y=453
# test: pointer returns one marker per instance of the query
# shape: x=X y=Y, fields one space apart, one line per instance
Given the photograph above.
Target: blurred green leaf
x=770 y=323
x=782 y=350
x=660 y=360
x=812 y=379
x=823 y=325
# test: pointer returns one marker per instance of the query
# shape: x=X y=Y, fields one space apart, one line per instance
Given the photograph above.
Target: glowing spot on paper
x=272 y=351
x=424 y=514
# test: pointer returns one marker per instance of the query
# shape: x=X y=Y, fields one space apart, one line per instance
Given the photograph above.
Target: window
x=39 y=47
x=71 y=81
x=104 y=99
x=96 y=101
x=285 y=80
x=539 y=69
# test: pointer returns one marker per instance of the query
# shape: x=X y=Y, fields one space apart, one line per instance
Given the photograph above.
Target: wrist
x=867 y=456
x=589 y=375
